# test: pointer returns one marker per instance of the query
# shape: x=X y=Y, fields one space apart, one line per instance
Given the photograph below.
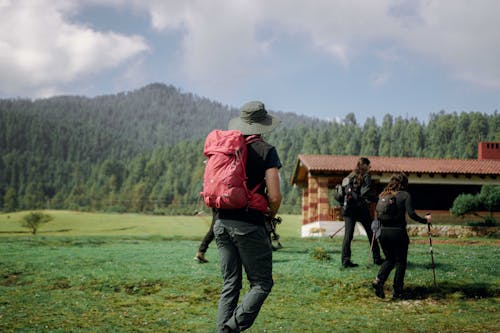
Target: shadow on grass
x=59 y=230
x=121 y=229
x=38 y=232
x=428 y=265
x=453 y=290
x=292 y=250
x=275 y=261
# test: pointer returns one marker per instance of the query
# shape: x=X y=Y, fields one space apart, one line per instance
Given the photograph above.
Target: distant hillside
x=122 y=125
x=141 y=151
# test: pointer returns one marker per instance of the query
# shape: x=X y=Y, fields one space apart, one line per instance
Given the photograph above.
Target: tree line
x=141 y=151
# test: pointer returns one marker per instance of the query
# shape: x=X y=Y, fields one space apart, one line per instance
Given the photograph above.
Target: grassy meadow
x=86 y=272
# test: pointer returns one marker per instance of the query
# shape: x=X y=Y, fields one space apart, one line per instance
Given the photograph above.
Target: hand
x=428 y=217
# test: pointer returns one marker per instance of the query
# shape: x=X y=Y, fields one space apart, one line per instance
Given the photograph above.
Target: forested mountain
x=141 y=151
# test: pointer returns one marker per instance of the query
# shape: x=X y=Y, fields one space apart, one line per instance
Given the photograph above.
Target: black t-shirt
x=261 y=156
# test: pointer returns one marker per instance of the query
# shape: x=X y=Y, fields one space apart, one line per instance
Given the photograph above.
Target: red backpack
x=225 y=179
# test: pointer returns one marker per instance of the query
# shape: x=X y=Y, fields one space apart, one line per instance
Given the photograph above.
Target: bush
x=33 y=220
x=465 y=204
x=490 y=198
x=320 y=254
x=469 y=204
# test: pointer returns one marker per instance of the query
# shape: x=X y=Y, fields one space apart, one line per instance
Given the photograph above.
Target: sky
x=319 y=58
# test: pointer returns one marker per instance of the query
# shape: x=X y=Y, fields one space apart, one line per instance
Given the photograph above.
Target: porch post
x=312 y=211
x=323 y=202
x=305 y=205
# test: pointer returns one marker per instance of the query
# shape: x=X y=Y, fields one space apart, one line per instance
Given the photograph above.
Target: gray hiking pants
x=242 y=245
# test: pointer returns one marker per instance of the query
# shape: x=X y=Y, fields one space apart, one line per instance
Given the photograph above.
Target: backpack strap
x=249 y=140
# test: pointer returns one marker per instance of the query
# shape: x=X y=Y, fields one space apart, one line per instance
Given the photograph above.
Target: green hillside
x=141 y=151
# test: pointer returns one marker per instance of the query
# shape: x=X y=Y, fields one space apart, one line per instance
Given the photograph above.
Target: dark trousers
x=363 y=216
x=242 y=246
x=394 y=242
x=209 y=237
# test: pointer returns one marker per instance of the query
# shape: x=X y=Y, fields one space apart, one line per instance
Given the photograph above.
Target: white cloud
x=40 y=49
x=228 y=43
x=220 y=36
x=220 y=46
x=461 y=36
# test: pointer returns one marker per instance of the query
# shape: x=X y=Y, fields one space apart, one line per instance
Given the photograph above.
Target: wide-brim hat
x=254 y=119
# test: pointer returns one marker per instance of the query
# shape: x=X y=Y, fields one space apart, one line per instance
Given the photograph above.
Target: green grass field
x=68 y=223
x=132 y=273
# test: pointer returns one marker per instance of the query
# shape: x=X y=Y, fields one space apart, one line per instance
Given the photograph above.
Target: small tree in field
x=33 y=220
x=487 y=200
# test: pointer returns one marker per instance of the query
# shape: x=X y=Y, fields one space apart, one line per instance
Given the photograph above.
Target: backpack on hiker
x=387 y=208
x=340 y=190
x=225 y=179
x=347 y=193
x=339 y=193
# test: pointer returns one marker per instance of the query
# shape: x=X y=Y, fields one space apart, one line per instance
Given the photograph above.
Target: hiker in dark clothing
x=241 y=235
x=205 y=242
x=394 y=237
x=359 y=211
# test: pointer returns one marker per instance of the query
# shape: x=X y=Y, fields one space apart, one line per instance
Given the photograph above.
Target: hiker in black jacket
x=394 y=237
x=209 y=237
x=358 y=210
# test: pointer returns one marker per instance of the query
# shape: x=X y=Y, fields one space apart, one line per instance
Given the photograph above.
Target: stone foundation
x=453 y=231
x=328 y=228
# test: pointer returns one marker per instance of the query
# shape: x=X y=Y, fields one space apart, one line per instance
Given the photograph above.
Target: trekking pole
x=432 y=254
x=336 y=232
x=375 y=226
x=371 y=250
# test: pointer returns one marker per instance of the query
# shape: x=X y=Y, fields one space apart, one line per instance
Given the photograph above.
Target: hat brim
x=264 y=126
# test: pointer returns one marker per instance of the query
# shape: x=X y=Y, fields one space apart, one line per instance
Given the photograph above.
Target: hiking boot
x=378 y=261
x=349 y=264
x=379 y=288
x=200 y=257
x=399 y=295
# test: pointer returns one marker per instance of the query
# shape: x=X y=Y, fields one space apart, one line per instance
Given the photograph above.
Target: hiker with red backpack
x=243 y=195
x=393 y=205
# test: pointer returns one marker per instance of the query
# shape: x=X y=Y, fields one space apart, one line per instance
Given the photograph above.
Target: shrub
x=469 y=204
x=320 y=254
x=33 y=220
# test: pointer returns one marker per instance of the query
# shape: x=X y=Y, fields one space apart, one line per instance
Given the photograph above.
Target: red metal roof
x=333 y=163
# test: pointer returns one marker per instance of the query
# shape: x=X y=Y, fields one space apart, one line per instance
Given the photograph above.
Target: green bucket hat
x=254 y=119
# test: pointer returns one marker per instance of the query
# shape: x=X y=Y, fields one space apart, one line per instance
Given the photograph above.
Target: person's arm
x=273 y=190
x=411 y=212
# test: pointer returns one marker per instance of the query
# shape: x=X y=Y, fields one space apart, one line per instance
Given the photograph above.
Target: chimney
x=488 y=151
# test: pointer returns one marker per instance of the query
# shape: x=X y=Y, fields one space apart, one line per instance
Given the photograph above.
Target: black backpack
x=347 y=193
x=341 y=189
x=339 y=193
x=387 y=208
x=351 y=193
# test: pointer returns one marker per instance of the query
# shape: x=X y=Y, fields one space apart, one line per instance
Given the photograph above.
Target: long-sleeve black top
x=405 y=206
